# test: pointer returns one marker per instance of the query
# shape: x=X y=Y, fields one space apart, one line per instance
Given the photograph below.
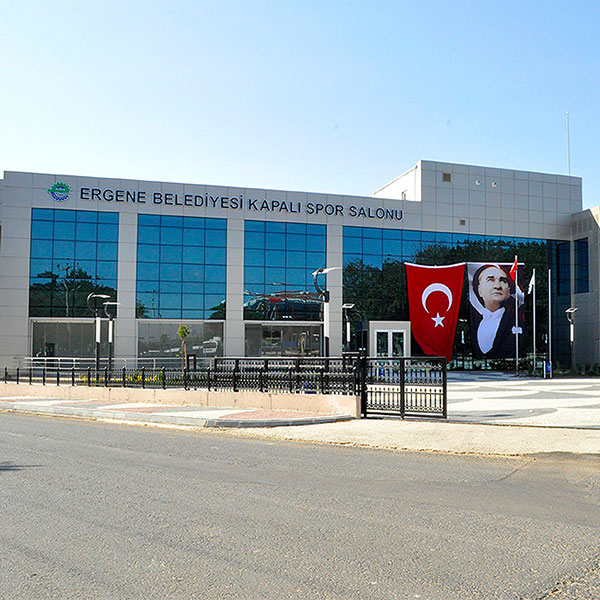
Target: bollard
x=124 y=377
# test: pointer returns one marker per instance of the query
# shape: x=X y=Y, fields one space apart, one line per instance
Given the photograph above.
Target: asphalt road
x=93 y=510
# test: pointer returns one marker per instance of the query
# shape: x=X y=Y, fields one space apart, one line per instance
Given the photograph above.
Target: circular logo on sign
x=59 y=191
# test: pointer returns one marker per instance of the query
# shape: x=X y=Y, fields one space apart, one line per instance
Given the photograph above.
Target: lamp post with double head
x=570 y=312
x=111 y=316
x=92 y=296
x=325 y=299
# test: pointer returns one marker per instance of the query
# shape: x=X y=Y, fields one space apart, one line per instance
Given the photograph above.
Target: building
x=236 y=264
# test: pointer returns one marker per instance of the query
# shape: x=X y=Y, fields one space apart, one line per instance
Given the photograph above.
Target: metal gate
x=404 y=386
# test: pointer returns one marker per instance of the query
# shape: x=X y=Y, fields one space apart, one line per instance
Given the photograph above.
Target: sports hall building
x=236 y=264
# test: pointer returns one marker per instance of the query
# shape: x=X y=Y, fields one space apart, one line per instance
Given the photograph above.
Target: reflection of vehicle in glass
x=274 y=308
x=211 y=347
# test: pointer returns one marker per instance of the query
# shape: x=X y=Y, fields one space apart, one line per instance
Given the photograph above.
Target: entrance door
x=390 y=344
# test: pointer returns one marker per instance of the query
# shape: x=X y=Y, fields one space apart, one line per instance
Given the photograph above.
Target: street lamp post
x=97 y=320
x=325 y=298
x=571 y=318
x=110 y=330
x=345 y=308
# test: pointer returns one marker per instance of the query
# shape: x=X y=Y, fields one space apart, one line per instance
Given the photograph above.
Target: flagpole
x=516 y=316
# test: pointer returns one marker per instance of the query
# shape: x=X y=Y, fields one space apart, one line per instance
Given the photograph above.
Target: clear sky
x=323 y=96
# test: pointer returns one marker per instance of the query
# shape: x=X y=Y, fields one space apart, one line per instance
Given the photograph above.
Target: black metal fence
x=402 y=386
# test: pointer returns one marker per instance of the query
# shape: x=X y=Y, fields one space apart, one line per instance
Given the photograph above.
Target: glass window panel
x=193 y=301
x=170 y=314
x=296 y=242
x=87 y=231
x=148 y=271
x=296 y=259
x=216 y=256
x=108 y=232
x=351 y=258
x=352 y=245
x=171 y=254
x=274 y=227
x=83 y=250
x=64 y=250
x=296 y=277
x=106 y=269
x=108 y=217
x=255 y=258
x=372 y=246
x=171 y=236
x=214 y=273
x=169 y=301
x=255 y=240
x=216 y=238
x=64 y=215
x=192 y=314
x=152 y=220
x=42 y=230
x=412 y=235
x=274 y=275
x=274 y=241
x=194 y=288
x=274 y=258
x=212 y=301
x=355 y=232
x=193 y=223
x=86 y=216
x=296 y=228
x=316 y=243
x=148 y=235
x=216 y=224
x=168 y=221
x=170 y=272
x=254 y=226
x=392 y=234
x=88 y=267
x=254 y=275
x=147 y=286
x=193 y=254
x=42 y=214
x=193 y=272
x=410 y=248
x=170 y=287
x=373 y=260
x=214 y=288
x=372 y=233
x=317 y=230
x=392 y=248
x=193 y=237
x=148 y=252
x=38 y=266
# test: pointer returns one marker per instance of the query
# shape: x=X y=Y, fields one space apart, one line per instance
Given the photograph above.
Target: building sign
x=239 y=202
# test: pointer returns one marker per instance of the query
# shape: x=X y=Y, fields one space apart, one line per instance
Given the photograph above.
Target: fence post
x=445 y=380
x=124 y=377
x=362 y=375
x=44 y=375
x=402 y=387
x=5 y=374
x=185 y=379
x=208 y=379
x=17 y=375
x=105 y=376
x=322 y=379
x=58 y=376
x=89 y=376
x=297 y=375
x=143 y=377
x=236 y=369
x=30 y=375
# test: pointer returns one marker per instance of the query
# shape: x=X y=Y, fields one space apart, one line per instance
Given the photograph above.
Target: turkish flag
x=433 y=301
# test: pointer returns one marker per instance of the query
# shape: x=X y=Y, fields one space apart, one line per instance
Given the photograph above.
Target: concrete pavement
x=487 y=414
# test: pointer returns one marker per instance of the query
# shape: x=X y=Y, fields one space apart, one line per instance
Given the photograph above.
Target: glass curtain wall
x=73 y=253
x=375 y=277
x=181 y=267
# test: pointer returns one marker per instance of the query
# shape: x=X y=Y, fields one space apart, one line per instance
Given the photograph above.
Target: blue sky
x=333 y=96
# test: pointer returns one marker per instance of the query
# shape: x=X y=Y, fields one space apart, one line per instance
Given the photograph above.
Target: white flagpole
x=534 y=311
x=517 y=316
x=550 y=319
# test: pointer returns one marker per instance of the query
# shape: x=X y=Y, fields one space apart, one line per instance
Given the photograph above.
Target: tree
x=183 y=332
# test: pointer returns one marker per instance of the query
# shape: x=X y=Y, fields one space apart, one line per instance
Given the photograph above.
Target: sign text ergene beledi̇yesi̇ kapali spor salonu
x=238 y=202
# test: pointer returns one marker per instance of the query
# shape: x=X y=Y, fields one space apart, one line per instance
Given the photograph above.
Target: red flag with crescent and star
x=433 y=300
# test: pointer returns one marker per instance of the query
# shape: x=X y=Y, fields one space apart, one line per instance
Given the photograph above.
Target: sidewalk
x=500 y=415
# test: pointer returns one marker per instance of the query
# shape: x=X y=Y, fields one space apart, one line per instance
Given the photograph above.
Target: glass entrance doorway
x=389 y=344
